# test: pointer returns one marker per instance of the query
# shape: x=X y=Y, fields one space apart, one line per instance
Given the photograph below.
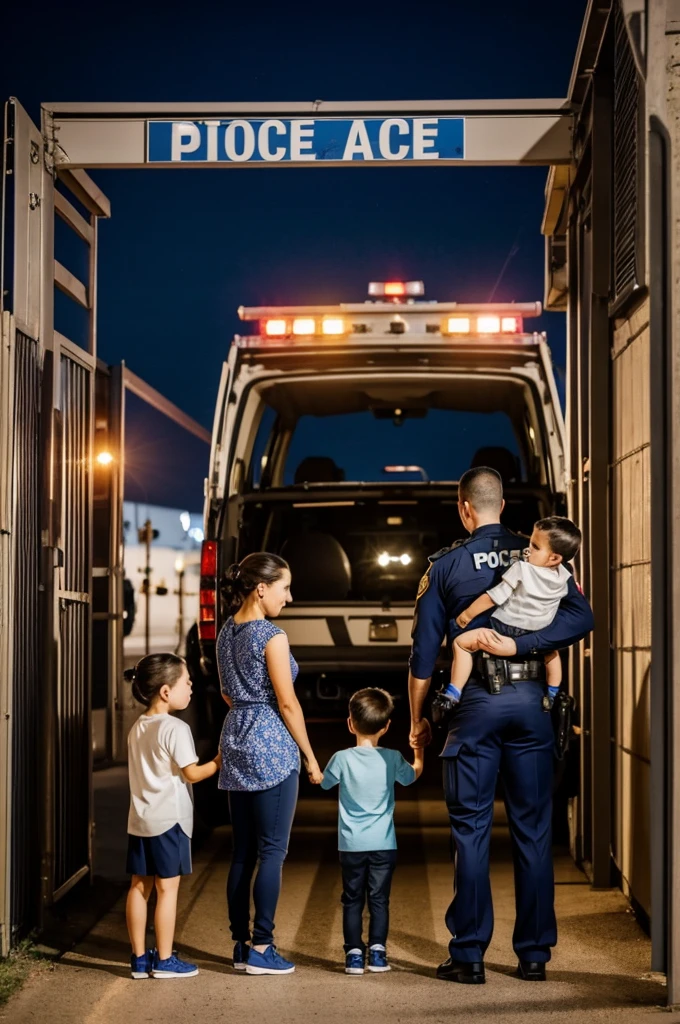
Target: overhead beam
x=162 y=404
x=389 y=133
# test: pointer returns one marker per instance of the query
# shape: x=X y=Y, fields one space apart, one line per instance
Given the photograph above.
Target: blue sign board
x=306 y=140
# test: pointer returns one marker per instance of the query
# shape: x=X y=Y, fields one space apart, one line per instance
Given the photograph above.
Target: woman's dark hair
x=242 y=578
x=152 y=673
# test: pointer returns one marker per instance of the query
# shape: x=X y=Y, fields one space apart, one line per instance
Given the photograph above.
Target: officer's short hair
x=563 y=535
x=370 y=710
x=483 y=488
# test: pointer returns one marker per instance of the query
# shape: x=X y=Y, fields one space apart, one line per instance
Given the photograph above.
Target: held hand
x=421 y=734
x=314 y=773
x=501 y=646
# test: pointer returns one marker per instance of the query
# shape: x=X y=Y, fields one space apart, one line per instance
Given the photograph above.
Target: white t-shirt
x=528 y=595
x=158 y=747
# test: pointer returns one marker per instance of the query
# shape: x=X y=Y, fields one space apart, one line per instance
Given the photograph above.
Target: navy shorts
x=165 y=856
x=503 y=629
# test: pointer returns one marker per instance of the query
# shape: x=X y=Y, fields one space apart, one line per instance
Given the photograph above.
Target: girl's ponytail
x=151 y=674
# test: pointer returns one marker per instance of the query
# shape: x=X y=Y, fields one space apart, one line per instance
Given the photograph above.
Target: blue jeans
x=261 y=821
x=366 y=874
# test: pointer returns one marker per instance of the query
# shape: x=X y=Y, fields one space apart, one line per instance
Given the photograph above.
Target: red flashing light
x=395 y=288
x=209 y=558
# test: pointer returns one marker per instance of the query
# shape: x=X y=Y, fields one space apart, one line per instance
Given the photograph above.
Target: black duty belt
x=498 y=672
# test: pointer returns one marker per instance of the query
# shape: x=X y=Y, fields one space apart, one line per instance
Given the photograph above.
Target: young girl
x=162 y=764
x=262 y=738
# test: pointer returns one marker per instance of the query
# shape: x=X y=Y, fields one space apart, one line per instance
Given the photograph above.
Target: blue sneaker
x=240 y=957
x=377 y=960
x=140 y=966
x=354 y=962
x=173 y=967
x=269 y=962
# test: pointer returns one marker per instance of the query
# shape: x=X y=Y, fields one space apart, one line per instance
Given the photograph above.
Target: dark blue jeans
x=365 y=875
x=261 y=822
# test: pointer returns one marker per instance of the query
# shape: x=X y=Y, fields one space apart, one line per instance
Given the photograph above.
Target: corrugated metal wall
x=27 y=646
x=631 y=600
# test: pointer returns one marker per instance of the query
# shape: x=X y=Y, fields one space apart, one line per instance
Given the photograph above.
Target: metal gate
x=46 y=479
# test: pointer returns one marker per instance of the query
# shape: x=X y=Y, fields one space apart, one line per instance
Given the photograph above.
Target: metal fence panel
x=72 y=771
x=26 y=681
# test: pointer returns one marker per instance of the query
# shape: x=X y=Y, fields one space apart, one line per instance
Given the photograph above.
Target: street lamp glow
x=105 y=458
x=179 y=565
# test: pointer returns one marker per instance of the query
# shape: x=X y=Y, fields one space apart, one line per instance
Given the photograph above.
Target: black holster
x=562 y=712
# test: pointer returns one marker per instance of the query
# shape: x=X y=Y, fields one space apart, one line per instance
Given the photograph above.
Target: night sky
x=185 y=248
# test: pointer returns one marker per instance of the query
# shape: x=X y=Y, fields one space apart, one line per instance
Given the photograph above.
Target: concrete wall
x=631 y=600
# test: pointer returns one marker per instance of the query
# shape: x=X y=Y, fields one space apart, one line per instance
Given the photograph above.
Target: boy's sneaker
x=173 y=967
x=354 y=962
x=269 y=962
x=240 y=957
x=140 y=966
x=377 y=959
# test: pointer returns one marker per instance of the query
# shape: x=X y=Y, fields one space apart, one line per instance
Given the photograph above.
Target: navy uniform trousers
x=510 y=733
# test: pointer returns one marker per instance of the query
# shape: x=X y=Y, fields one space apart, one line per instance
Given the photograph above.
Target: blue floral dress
x=257 y=750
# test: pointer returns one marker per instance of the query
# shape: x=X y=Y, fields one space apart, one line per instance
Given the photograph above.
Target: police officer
x=507 y=731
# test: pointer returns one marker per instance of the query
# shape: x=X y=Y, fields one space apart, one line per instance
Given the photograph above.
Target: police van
x=340 y=434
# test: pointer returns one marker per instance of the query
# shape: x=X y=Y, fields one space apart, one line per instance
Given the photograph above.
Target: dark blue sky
x=185 y=248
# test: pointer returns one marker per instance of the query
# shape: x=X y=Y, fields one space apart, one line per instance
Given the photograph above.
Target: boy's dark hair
x=564 y=536
x=370 y=710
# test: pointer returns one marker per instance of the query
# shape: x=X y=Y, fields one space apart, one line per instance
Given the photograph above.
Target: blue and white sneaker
x=377 y=960
x=354 y=962
x=269 y=962
x=173 y=967
x=240 y=957
x=140 y=966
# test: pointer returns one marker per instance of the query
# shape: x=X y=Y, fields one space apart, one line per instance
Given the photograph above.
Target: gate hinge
x=34 y=200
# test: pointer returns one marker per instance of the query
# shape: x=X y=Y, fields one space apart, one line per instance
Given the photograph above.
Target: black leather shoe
x=527 y=970
x=462 y=971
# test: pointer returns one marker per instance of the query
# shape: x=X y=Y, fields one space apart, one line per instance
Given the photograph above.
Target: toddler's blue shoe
x=240 y=957
x=354 y=962
x=173 y=967
x=377 y=960
x=140 y=966
x=269 y=962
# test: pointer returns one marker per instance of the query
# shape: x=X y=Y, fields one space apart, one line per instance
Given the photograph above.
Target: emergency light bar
x=395 y=289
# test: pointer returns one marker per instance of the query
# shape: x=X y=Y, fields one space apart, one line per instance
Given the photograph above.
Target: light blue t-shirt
x=366 y=776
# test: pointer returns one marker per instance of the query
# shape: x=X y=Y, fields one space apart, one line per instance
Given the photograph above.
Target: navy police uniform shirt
x=459 y=574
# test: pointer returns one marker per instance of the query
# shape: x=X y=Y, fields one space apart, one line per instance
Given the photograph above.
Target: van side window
x=261 y=447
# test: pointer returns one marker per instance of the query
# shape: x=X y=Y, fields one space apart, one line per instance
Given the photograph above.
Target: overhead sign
x=306 y=140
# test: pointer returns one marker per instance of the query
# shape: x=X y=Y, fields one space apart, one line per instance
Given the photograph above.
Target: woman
x=263 y=735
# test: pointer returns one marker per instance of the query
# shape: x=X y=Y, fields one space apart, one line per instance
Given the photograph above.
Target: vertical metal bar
x=599 y=403
x=661 y=526
x=7 y=582
x=116 y=566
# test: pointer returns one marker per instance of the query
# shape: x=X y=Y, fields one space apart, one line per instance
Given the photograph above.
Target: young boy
x=367 y=842
x=524 y=601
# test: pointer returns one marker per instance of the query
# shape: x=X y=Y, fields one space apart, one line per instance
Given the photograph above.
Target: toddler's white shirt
x=528 y=595
x=159 y=746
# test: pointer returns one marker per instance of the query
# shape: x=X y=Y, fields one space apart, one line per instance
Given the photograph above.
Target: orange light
x=488 y=324
x=458 y=325
x=333 y=325
x=275 y=328
x=395 y=288
x=304 y=325
x=105 y=458
x=511 y=324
